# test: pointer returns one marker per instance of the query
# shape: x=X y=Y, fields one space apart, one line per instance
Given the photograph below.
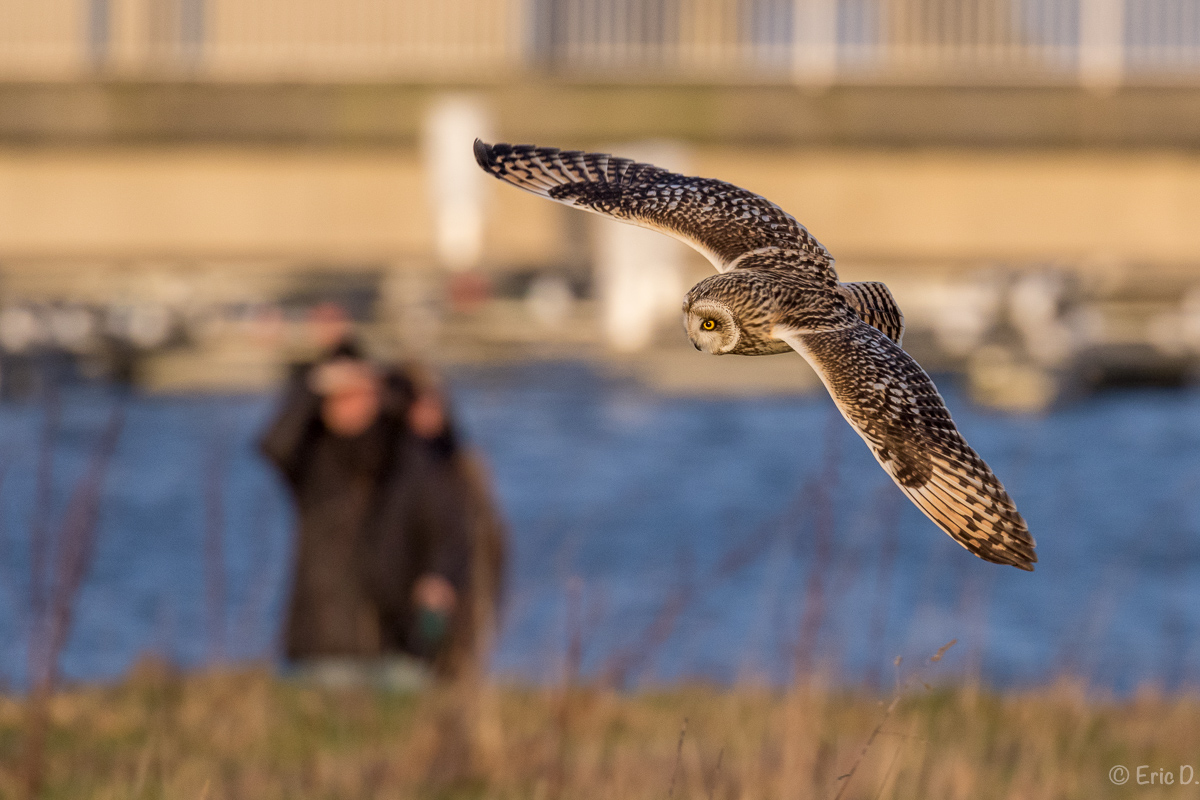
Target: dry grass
x=249 y=735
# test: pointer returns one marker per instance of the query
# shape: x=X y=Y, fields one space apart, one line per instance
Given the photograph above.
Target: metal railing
x=804 y=41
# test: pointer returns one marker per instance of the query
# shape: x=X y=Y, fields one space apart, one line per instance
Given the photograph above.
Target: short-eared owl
x=777 y=291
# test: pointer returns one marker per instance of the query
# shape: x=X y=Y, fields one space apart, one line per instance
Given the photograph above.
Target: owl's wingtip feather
x=1023 y=560
x=483 y=153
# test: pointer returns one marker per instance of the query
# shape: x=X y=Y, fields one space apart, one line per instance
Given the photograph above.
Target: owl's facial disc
x=711 y=327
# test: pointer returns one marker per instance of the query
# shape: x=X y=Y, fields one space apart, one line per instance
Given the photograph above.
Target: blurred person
x=400 y=548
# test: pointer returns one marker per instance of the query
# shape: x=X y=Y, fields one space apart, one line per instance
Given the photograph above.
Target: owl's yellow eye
x=708 y=324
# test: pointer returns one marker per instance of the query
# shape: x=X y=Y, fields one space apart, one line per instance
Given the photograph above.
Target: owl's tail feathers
x=874 y=304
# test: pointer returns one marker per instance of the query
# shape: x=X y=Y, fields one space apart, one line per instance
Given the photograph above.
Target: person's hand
x=433 y=592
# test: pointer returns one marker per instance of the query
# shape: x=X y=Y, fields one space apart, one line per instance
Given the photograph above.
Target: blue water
x=667 y=538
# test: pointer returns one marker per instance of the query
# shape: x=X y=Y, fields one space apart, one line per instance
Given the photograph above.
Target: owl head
x=711 y=326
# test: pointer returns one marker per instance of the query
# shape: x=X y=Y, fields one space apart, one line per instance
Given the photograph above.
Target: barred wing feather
x=894 y=406
x=717 y=218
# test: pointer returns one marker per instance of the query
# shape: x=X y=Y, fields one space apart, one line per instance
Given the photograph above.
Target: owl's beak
x=695 y=345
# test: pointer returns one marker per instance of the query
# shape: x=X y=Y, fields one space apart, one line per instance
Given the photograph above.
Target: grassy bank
x=249 y=735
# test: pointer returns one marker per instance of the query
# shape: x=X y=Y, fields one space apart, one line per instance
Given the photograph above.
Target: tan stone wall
x=234 y=202
x=1085 y=208
x=42 y=38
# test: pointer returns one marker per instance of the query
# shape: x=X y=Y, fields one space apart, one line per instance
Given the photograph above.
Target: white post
x=457 y=187
x=638 y=271
x=1101 y=42
x=814 y=41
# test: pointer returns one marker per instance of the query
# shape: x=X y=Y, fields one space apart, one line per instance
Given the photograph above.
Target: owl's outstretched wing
x=894 y=406
x=719 y=219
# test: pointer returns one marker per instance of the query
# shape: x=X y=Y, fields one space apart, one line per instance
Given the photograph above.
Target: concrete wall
x=587 y=114
x=1091 y=208
x=216 y=202
x=905 y=175
x=918 y=207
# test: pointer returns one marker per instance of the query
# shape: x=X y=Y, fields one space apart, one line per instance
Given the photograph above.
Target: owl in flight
x=775 y=291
